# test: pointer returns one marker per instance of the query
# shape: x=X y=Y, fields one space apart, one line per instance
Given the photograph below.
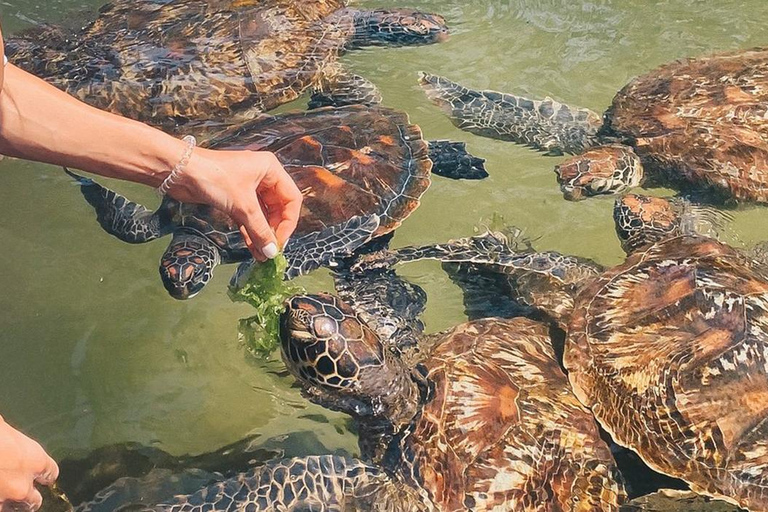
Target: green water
x=94 y=352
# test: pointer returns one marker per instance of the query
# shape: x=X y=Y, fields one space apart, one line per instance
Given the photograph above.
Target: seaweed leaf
x=265 y=289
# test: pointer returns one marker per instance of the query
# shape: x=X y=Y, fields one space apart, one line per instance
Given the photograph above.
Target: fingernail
x=269 y=250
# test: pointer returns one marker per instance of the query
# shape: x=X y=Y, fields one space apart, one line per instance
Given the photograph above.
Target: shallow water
x=94 y=352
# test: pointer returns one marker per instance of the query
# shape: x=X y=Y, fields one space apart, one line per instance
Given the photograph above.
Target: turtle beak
x=572 y=193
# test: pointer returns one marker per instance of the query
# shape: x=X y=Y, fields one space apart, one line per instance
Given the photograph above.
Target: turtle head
x=398 y=27
x=341 y=363
x=643 y=220
x=600 y=170
x=187 y=265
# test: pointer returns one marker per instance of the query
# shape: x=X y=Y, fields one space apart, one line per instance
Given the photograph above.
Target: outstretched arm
x=39 y=122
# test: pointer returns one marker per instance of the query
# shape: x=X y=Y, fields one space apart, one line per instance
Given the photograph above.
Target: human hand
x=22 y=463
x=252 y=187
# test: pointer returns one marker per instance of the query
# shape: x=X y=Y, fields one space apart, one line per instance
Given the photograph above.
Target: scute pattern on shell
x=347 y=162
x=670 y=350
x=179 y=61
x=703 y=120
x=503 y=431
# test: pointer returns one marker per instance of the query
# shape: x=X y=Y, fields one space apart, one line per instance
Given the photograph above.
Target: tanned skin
x=38 y=122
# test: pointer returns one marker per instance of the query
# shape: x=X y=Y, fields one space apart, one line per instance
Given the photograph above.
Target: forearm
x=39 y=122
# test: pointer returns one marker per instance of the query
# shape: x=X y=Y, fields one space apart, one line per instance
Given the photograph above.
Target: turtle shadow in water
x=141 y=474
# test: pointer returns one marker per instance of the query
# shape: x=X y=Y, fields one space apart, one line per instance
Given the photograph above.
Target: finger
x=45 y=469
x=49 y=474
x=283 y=227
x=249 y=243
x=263 y=241
x=283 y=201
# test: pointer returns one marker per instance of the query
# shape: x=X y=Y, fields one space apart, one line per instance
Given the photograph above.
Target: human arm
x=39 y=122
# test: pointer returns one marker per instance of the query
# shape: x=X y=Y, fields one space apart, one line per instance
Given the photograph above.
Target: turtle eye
x=325 y=327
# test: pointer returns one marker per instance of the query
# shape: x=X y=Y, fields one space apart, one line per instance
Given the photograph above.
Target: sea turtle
x=175 y=63
x=668 y=349
x=696 y=124
x=362 y=171
x=477 y=418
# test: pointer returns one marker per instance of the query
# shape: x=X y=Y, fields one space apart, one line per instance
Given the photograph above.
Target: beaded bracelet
x=179 y=168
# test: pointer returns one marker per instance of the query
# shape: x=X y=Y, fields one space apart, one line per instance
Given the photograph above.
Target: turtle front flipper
x=389 y=304
x=545 y=125
x=322 y=248
x=121 y=218
x=452 y=160
x=545 y=280
x=327 y=482
x=318 y=249
x=342 y=88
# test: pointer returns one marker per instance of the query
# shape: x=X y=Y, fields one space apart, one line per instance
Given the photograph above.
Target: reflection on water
x=93 y=352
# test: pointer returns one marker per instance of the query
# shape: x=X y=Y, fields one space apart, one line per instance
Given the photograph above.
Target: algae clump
x=265 y=289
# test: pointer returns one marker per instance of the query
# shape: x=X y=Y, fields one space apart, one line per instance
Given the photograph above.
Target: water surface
x=94 y=352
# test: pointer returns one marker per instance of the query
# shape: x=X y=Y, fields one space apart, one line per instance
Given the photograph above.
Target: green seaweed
x=265 y=290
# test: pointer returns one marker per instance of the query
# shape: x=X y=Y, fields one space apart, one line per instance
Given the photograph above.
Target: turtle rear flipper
x=323 y=247
x=545 y=125
x=342 y=89
x=124 y=219
x=451 y=160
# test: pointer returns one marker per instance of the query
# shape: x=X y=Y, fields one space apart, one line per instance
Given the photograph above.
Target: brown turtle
x=696 y=124
x=362 y=171
x=180 y=62
x=477 y=418
x=669 y=349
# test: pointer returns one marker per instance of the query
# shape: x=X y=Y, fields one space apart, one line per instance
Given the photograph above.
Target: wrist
x=199 y=181
x=175 y=174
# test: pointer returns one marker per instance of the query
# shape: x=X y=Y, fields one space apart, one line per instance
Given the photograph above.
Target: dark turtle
x=173 y=63
x=698 y=123
x=478 y=418
x=668 y=349
x=361 y=170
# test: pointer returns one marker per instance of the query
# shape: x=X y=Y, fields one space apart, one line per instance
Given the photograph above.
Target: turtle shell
x=173 y=61
x=503 y=431
x=670 y=351
x=351 y=161
x=702 y=121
